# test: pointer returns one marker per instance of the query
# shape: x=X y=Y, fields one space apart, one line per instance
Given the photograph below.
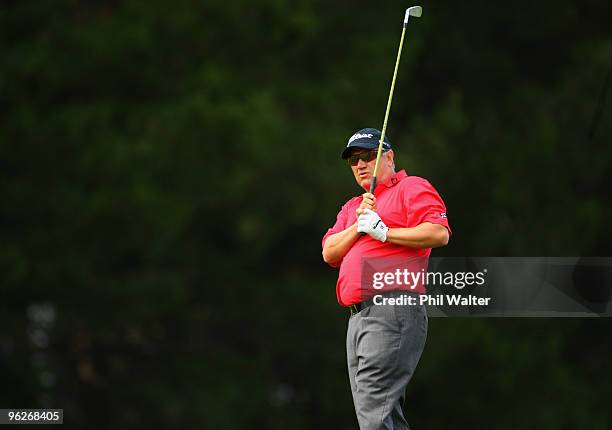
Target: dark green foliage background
x=168 y=169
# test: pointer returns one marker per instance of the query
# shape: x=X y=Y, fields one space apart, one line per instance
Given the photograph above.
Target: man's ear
x=391 y=158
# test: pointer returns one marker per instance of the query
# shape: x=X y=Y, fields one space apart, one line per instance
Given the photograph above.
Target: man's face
x=362 y=162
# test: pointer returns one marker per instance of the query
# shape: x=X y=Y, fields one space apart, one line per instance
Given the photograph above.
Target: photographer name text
x=437 y=300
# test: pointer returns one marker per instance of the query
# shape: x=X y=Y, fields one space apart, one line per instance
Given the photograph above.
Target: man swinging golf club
x=399 y=220
x=403 y=219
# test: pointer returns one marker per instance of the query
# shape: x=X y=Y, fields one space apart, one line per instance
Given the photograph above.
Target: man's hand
x=368 y=202
x=369 y=222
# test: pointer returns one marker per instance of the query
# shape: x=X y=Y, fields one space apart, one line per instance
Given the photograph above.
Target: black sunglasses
x=353 y=159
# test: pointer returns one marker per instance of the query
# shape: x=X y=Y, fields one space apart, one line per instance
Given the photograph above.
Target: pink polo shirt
x=402 y=201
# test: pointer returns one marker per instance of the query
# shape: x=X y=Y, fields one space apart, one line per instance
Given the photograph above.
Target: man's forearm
x=426 y=235
x=337 y=245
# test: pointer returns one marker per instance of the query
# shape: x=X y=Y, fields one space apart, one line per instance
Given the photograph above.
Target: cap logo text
x=359 y=136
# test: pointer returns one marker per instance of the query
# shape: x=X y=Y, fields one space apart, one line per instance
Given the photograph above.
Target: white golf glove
x=369 y=222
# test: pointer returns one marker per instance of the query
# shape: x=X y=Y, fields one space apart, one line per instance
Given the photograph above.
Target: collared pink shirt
x=402 y=201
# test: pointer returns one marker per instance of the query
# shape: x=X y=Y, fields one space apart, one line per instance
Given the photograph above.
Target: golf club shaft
x=384 y=128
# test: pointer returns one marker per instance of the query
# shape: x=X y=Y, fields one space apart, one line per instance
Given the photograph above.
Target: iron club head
x=415 y=11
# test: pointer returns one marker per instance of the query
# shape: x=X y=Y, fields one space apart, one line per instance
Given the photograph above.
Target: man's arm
x=425 y=235
x=337 y=245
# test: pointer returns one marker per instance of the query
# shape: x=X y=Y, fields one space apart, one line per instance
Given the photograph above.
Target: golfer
x=401 y=221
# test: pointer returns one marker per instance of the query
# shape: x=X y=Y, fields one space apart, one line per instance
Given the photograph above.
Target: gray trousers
x=383 y=347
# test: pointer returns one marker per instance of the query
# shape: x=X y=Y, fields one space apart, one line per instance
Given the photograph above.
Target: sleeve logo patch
x=442 y=214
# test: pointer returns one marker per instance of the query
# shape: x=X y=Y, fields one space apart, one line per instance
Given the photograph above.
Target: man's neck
x=382 y=179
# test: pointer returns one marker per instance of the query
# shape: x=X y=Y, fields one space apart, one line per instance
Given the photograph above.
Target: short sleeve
x=425 y=205
x=340 y=225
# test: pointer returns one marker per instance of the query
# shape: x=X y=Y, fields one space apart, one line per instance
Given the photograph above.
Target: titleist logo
x=359 y=136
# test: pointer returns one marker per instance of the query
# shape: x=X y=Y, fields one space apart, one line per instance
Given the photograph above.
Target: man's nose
x=361 y=164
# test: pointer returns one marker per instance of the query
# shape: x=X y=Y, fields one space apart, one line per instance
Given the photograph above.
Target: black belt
x=358 y=307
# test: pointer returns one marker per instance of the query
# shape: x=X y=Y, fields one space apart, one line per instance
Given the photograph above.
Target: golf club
x=411 y=11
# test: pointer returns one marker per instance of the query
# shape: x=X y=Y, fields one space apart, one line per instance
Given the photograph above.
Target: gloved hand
x=369 y=222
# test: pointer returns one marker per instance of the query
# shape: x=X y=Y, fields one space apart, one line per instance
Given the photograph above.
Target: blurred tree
x=168 y=170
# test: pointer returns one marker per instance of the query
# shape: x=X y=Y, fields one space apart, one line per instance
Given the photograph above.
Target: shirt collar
x=394 y=180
